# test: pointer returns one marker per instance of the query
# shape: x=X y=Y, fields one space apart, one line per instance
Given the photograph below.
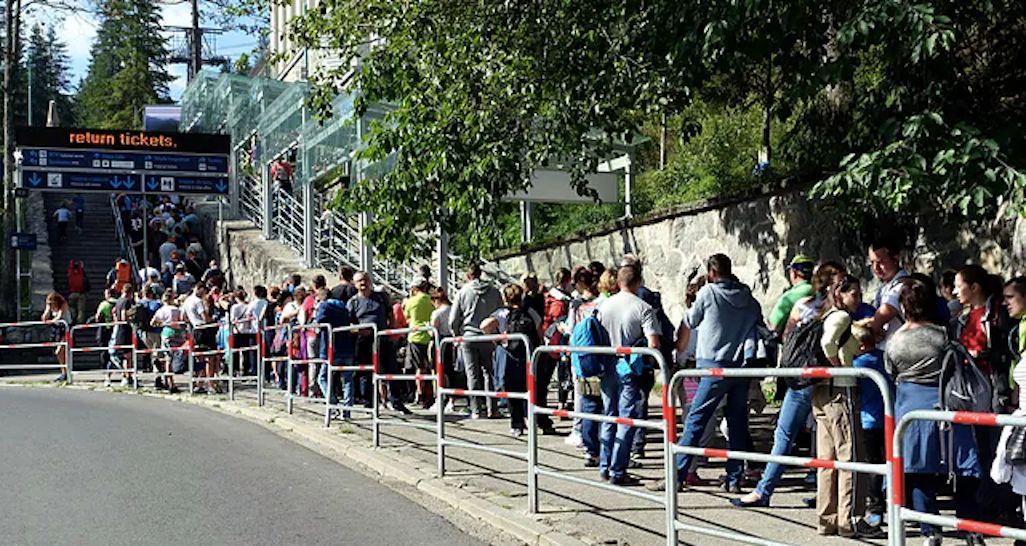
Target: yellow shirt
x=418 y=310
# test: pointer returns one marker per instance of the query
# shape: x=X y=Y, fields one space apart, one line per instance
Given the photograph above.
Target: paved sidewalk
x=592 y=515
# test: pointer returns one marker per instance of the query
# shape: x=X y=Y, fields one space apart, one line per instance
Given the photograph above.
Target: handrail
x=123 y=240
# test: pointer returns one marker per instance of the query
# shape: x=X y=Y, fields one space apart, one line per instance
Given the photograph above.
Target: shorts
x=206 y=339
x=418 y=357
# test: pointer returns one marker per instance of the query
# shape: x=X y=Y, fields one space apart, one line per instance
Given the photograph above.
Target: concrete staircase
x=97 y=246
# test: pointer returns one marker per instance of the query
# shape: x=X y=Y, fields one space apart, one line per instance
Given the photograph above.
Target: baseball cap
x=802 y=262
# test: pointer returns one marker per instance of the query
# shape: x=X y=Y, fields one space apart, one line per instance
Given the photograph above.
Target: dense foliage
x=900 y=106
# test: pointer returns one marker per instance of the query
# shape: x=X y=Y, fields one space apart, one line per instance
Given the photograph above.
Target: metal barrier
x=72 y=349
x=443 y=392
x=666 y=426
x=897 y=476
x=231 y=351
x=185 y=347
x=291 y=363
x=349 y=368
x=380 y=379
x=670 y=413
x=267 y=342
x=45 y=344
x=205 y=353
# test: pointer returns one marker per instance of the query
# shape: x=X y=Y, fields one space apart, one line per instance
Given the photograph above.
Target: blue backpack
x=590 y=333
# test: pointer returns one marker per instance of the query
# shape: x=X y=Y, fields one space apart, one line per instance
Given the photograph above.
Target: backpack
x=963 y=387
x=139 y=315
x=556 y=311
x=77 y=281
x=589 y=332
x=667 y=333
x=123 y=275
x=803 y=349
x=519 y=322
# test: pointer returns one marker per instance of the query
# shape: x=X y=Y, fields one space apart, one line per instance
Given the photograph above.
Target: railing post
x=268 y=204
x=308 y=219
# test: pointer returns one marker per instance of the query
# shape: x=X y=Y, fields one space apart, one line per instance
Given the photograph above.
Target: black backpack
x=519 y=322
x=139 y=316
x=963 y=387
x=803 y=349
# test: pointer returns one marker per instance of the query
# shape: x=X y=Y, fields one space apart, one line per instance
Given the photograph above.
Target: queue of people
x=908 y=332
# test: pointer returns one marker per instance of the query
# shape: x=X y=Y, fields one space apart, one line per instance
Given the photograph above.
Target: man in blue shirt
x=334 y=312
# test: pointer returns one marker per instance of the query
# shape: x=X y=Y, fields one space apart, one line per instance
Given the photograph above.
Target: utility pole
x=12 y=28
x=197 y=41
x=29 y=67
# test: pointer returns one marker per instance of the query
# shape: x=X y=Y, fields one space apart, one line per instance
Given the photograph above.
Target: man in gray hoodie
x=728 y=316
x=476 y=301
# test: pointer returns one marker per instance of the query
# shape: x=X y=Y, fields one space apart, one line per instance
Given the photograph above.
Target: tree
x=128 y=67
x=48 y=64
x=480 y=92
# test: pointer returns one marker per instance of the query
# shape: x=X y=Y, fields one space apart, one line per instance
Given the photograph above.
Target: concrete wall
x=761 y=234
x=246 y=257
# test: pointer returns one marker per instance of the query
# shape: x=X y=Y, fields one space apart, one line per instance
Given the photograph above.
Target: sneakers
x=516 y=432
x=333 y=414
x=933 y=540
x=125 y=382
x=661 y=486
x=591 y=462
x=401 y=408
x=574 y=439
x=732 y=487
x=974 y=539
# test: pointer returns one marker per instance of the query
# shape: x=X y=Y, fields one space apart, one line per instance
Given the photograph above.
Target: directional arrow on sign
x=129 y=183
x=220 y=186
x=35 y=180
x=152 y=184
x=115 y=182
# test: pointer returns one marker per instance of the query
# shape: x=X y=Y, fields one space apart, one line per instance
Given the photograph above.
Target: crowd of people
x=908 y=332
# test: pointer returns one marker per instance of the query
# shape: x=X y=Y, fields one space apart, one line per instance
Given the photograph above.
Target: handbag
x=1015 y=448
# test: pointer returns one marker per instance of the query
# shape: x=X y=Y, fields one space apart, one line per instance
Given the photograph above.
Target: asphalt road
x=80 y=467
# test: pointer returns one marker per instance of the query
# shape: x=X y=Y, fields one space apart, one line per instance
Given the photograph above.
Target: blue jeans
x=589 y=428
x=793 y=414
x=347 y=385
x=621 y=397
x=710 y=391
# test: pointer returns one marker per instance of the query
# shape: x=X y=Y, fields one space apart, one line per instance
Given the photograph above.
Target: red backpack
x=77 y=282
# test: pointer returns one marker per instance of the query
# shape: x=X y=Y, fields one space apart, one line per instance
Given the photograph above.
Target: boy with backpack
x=78 y=287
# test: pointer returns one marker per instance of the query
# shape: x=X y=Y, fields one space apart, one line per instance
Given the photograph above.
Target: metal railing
x=672 y=449
x=380 y=378
x=900 y=514
x=124 y=241
x=251 y=199
x=59 y=328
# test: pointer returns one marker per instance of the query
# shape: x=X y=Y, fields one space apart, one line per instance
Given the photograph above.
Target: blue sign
x=217 y=185
x=22 y=241
x=129 y=161
x=80 y=181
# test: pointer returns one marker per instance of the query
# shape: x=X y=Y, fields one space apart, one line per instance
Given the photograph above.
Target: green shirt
x=418 y=313
x=106 y=310
x=778 y=317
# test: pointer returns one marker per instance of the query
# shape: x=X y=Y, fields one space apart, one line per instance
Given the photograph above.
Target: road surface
x=86 y=468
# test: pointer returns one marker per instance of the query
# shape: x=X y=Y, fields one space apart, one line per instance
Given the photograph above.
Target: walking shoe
x=333 y=414
x=693 y=480
x=809 y=502
x=734 y=488
x=933 y=540
x=158 y=384
x=548 y=431
x=401 y=408
x=61 y=377
x=106 y=382
x=574 y=439
x=173 y=390
x=759 y=502
x=591 y=462
x=624 y=480
x=603 y=475
x=864 y=530
x=660 y=485
x=516 y=432
x=974 y=539
x=124 y=382
x=633 y=463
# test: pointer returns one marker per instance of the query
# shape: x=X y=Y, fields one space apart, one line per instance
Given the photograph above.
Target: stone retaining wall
x=761 y=234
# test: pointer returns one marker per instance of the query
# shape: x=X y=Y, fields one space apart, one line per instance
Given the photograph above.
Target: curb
x=518 y=526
